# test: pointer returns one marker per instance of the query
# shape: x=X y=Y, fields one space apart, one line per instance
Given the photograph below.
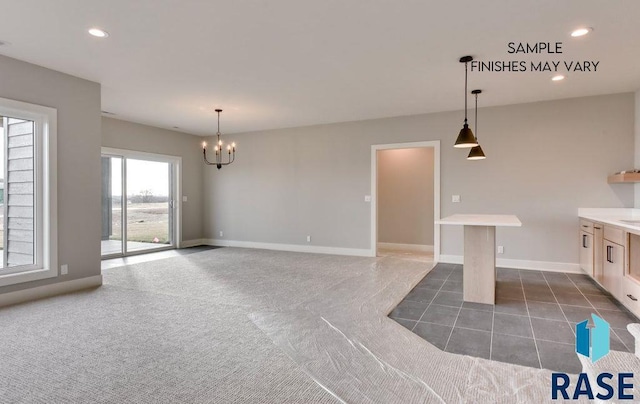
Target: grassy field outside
x=146 y=222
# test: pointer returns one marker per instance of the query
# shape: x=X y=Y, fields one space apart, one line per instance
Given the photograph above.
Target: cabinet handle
x=597 y=228
x=632 y=298
x=584 y=241
x=585 y=226
x=609 y=254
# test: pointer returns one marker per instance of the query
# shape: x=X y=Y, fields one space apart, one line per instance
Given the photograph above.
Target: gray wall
x=637 y=146
x=132 y=136
x=78 y=105
x=405 y=196
x=545 y=160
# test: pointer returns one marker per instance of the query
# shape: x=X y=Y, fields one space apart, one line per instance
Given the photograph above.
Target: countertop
x=481 y=220
x=616 y=217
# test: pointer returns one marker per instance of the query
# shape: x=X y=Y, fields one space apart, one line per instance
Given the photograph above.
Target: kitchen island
x=479 y=268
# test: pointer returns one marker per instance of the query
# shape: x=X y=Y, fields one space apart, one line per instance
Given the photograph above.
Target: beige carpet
x=237 y=325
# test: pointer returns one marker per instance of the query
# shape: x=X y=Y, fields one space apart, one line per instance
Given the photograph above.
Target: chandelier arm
x=204 y=155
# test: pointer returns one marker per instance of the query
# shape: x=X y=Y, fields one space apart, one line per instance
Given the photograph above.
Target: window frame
x=45 y=192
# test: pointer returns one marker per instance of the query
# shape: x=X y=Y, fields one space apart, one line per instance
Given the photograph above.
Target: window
x=27 y=192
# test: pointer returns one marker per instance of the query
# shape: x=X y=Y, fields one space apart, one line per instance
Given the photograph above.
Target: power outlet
x=184 y=198
x=367 y=198
x=64 y=269
x=308 y=239
x=455 y=198
x=221 y=233
x=500 y=249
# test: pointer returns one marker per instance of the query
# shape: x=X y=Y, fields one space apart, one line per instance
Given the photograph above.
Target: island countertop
x=627 y=219
x=481 y=220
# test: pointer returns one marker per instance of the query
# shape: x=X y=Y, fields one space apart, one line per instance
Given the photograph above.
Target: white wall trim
x=193 y=243
x=40 y=292
x=290 y=247
x=46 y=197
x=566 y=267
x=406 y=247
x=436 y=189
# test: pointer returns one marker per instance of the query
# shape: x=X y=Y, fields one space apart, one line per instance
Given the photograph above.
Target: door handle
x=610 y=254
x=632 y=298
x=584 y=241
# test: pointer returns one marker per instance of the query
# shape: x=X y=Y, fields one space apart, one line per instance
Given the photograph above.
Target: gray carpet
x=236 y=325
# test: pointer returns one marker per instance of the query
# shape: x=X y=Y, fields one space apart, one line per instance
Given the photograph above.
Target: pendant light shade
x=476 y=152
x=465 y=138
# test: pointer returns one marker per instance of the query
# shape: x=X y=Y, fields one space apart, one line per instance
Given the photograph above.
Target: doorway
x=140 y=209
x=405 y=183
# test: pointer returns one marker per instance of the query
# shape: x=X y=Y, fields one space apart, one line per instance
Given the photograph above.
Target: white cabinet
x=613 y=268
x=586 y=246
x=603 y=255
x=586 y=252
x=598 y=258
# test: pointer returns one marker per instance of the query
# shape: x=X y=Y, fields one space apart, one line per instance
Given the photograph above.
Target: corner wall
x=78 y=105
x=545 y=160
x=132 y=136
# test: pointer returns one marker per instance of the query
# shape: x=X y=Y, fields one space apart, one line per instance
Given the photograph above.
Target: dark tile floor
x=532 y=323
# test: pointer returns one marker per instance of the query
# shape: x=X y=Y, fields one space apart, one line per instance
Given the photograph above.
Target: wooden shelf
x=622 y=178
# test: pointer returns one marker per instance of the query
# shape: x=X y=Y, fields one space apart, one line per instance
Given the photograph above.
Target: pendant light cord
x=476 y=124
x=465 y=92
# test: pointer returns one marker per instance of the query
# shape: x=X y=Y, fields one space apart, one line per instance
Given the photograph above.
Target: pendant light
x=465 y=137
x=231 y=150
x=476 y=152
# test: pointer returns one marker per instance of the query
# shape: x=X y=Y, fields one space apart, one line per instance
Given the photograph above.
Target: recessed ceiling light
x=581 y=32
x=97 y=32
x=558 y=77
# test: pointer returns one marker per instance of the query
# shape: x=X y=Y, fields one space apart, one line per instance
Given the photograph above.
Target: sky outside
x=141 y=176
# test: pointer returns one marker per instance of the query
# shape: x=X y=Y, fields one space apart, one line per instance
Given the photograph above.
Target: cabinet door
x=598 y=256
x=613 y=268
x=586 y=252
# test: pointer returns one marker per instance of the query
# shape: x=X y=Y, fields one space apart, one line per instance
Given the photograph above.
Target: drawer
x=586 y=226
x=631 y=291
x=615 y=235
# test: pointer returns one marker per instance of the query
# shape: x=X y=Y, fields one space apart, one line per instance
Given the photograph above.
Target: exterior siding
x=19 y=197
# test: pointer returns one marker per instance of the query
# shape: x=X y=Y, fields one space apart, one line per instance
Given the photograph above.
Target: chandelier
x=231 y=150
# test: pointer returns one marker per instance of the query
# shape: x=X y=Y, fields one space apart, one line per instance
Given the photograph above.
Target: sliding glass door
x=148 y=204
x=137 y=204
x=112 y=203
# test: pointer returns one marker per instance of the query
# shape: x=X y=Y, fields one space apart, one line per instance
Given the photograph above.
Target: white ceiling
x=285 y=63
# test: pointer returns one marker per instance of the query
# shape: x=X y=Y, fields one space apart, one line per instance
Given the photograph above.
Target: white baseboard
x=522 y=264
x=193 y=243
x=291 y=247
x=406 y=247
x=40 y=292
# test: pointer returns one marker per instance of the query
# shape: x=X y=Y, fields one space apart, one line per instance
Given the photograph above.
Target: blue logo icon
x=592 y=339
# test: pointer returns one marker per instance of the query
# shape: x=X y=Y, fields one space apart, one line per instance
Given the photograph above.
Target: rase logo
x=593 y=342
